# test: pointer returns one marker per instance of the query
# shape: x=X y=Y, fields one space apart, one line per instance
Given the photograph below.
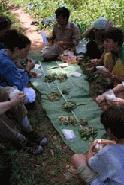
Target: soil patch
x=31 y=30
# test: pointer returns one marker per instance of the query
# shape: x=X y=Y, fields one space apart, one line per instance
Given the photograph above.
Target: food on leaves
x=87 y=133
x=69 y=105
x=54 y=96
x=68 y=120
x=52 y=77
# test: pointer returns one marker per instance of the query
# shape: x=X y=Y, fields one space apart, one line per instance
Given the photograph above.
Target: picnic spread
x=65 y=97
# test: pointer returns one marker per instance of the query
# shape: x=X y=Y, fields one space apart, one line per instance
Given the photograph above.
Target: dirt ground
x=30 y=30
x=53 y=167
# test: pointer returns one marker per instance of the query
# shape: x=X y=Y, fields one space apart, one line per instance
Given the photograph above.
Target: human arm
x=118 y=101
x=76 y=35
x=29 y=65
x=117 y=78
x=13 y=76
x=118 y=88
x=5 y=106
x=108 y=61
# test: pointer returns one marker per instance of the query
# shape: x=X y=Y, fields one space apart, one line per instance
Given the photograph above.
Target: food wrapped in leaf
x=69 y=105
x=88 y=133
x=68 y=120
x=54 y=96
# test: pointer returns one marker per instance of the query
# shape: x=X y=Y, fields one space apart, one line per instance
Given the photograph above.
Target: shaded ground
x=53 y=167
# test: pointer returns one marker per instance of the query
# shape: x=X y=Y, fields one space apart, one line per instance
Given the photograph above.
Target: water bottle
x=81 y=47
x=44 y=38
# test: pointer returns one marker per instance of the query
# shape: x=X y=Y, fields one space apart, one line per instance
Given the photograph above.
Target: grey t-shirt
x=109 y=164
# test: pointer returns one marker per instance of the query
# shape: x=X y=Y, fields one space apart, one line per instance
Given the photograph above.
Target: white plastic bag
x=30 y=94
x=69 y=134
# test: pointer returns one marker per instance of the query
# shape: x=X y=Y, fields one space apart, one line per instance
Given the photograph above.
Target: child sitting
x=107 y=166
x=65 y=35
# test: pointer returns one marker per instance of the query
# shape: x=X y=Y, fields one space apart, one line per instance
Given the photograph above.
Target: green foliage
x=82 y=12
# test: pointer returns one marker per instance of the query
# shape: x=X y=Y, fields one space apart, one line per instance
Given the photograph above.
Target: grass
x=53 y=166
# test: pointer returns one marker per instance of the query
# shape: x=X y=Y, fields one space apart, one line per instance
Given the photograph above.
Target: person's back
x=109 y=165
x=106 y=166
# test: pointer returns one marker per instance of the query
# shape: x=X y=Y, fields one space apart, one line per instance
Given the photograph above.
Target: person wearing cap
x=95 y=35
x=65 y=36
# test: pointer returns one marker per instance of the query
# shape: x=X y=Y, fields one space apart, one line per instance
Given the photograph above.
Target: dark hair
x=113 y=119
x=62 y=11
x=13 y=38
x=91 y=34
x=116 y=34
x=5 y=23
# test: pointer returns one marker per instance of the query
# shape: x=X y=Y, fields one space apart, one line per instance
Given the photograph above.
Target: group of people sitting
x=103 y=164
x=104 y=48
x=14 y=78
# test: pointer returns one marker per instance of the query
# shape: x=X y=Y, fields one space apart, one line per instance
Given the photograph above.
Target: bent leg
x=8 y=130
x=80 y=163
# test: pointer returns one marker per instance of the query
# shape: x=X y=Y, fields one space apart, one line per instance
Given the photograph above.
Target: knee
x=78 y=159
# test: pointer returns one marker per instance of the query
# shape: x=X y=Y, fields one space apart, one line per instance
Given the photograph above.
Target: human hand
x=65 y=44
x=33 y=74
x=94 y=61
x=97 y=145
x=18 y=98
x=118 y=101
x=30 y=65
x=100 y=98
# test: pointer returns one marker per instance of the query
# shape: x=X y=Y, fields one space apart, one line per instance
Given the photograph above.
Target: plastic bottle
x=44 y=38
x=81 y=47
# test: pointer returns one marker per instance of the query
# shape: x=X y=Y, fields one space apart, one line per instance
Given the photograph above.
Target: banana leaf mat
x=72 y=89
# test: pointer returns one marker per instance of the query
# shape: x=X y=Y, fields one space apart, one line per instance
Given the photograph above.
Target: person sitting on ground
x=105 y=167
x=14 y=124
x=5 y=24
x=113 y=61
x=17 y=46
x=112 y=97
x=95 y=35
x=65 y=36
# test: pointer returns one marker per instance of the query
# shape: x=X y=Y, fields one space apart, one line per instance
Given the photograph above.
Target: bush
x=82 y=12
